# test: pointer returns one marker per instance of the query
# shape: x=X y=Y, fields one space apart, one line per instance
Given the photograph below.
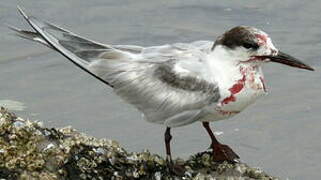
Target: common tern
x=175 y=84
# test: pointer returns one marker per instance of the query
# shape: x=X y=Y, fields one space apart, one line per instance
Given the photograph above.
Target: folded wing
x=166 y=91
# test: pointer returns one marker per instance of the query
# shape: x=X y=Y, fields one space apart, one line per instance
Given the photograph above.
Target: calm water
x=280 y=133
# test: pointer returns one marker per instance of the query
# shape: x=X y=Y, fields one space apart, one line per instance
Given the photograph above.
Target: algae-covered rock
x=30 y=151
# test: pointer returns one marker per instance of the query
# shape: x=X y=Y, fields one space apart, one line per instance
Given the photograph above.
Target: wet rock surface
x=28 y=150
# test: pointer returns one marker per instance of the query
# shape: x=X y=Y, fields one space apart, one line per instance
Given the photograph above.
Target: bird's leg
x=221 y=152
x=174 y=168
x=168 y=138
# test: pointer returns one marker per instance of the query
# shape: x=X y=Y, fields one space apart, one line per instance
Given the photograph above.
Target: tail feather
x=63 y=41
x=30 y=35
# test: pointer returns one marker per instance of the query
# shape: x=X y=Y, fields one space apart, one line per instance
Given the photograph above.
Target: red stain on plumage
x=255 y=58
x=227 y=113
x=236 y=88
x=262 y=38
x=229 y=99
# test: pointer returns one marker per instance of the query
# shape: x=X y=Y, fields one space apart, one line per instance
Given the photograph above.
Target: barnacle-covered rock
x=30 y=151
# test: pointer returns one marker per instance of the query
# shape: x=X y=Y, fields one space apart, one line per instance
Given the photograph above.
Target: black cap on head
x=236 y=37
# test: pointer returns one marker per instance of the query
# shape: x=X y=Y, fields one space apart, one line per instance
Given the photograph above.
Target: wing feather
x=157 y=90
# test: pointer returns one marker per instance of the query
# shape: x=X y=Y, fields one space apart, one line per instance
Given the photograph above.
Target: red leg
x=221 y=152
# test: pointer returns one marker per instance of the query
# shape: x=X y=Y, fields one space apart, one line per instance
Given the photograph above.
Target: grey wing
x=158 y=90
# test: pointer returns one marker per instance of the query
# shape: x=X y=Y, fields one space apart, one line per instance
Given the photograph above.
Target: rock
x=30 y=151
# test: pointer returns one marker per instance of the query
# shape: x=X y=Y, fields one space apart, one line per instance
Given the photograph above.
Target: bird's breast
x=242 y=91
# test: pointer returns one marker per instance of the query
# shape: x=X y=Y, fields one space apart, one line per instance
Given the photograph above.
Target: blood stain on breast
x=236 y=88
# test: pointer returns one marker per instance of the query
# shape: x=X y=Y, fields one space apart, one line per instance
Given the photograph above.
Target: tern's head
x=250 y=45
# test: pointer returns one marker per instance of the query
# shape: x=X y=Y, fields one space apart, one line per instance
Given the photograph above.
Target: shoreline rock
x=28 y=150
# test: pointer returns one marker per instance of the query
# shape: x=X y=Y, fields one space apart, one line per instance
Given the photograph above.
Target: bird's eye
x=253 y=46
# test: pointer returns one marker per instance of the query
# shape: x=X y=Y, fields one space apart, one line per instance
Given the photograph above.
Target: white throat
x=224 y=66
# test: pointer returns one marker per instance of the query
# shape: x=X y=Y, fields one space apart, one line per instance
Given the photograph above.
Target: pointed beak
x=286 y=59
